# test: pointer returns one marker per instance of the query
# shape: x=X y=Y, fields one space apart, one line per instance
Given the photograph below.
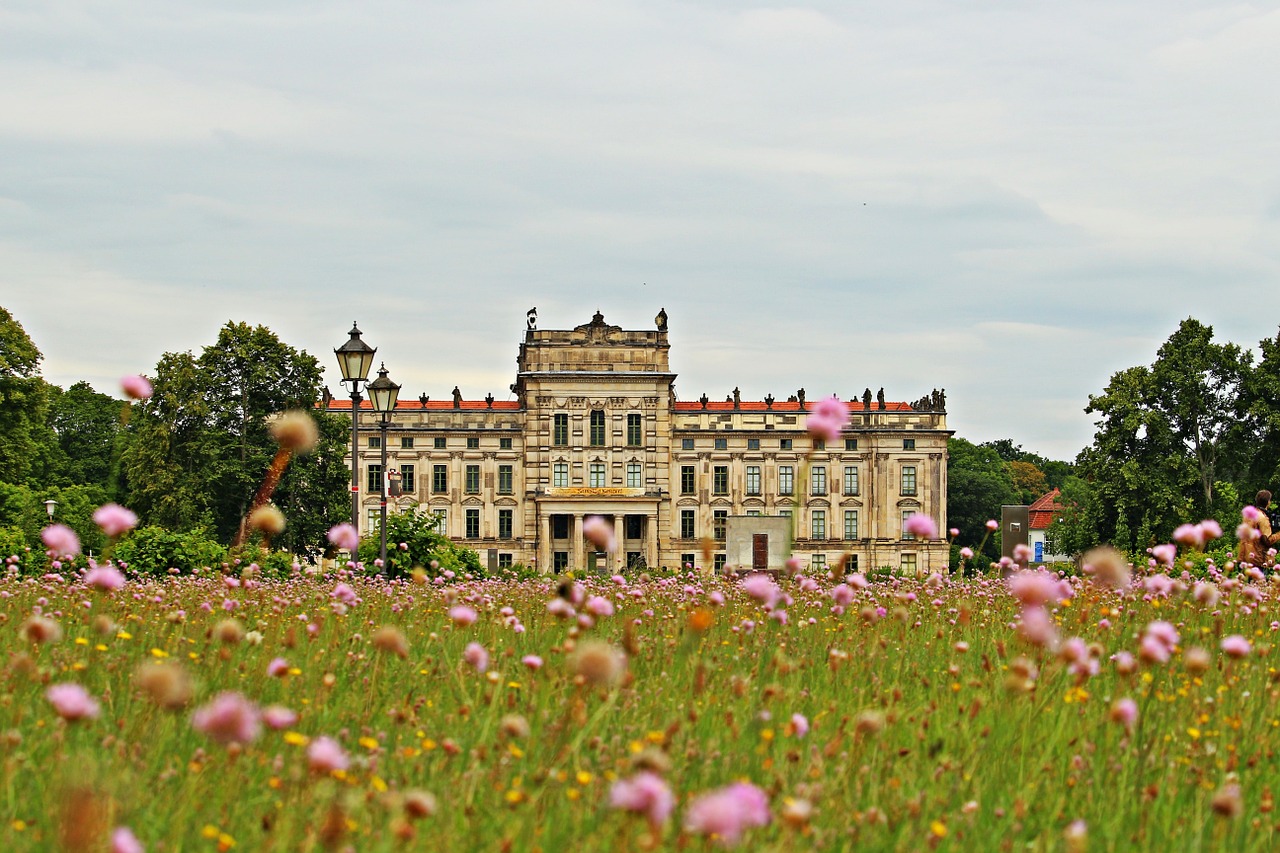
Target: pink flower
x=598 y=606
x=644 y=793
x=966 y=553
x=1236 y=646
x=106 y=578
x=278 y=717
x=114 y=519
x=761 y=587
x=345 y=537
x=324 y=755
x=278 y=668
x=599 y=533
x=136 y=387
x=1034 y=587
x=462 y=616
x=1191 y=535
x=72 y=702
x=61 y=540
x=1021 y=553
x=1211 y=529
x=842 y=595
x=229 y=718
x=920 y=525
x=992 y=524
x=728 y=812
x=800 y=724
x=532 y=662
x=476 y=656
x=1164 y=632
x=1252 y=514
x=344 y=593
x=1165 y=554
x=1037 y=627
x=1125 y=712
x=827 y=418
x=124 y=841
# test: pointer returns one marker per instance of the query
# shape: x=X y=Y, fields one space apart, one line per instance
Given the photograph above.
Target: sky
x=1011 y=201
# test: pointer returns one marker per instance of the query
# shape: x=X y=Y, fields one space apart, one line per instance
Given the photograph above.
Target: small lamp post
x=48 y=507
x=384 y=393
x=355 y=357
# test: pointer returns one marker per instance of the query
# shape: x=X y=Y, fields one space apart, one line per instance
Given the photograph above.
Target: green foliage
x=978 y=484
x=154 y=551
x=23 y=400
x=272 y=564
x=201 y=446
x=14 y=543
x=82 y=430
x=424 y=545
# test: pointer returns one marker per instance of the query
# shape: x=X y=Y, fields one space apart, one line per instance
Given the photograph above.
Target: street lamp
x=383 y=393
x=355 y=357
x=48 y=507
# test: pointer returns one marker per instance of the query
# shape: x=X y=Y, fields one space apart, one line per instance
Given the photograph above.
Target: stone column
x=614 y=561
x=545 y=560
x=579 y=558
x=651 y=555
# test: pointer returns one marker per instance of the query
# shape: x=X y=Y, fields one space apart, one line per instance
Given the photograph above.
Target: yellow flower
x=938 y=828
x=296 y=739
x=368 y=742
x=159 y=653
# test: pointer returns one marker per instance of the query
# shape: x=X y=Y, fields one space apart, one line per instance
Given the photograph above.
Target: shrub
x=423 y=545
x=15 y=551
x=272 y=564
x=154 y=550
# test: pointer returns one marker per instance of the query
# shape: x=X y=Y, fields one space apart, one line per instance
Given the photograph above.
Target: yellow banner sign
x=597 y=492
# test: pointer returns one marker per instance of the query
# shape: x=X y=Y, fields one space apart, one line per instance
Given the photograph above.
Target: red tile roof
x=855 y=406
x=1044 y=511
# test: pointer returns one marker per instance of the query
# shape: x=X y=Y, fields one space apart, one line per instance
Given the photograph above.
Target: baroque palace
x=596 y=429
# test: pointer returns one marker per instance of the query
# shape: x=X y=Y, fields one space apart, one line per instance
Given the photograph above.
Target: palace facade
x=595 y=428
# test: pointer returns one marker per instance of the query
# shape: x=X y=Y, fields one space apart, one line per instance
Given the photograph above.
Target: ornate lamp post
x=355 y=357
x=384 y=393
x=48 y=507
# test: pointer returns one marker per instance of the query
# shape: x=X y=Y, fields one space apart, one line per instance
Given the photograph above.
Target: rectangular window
x=373 y=520
x=753 y=512
x=560 y=430
x=406 y=442
x=560 y=475
x=408 y=480
x=597 y=475
x=688 y=561
x=818 y=480
x=439 y=479
x=721 y=479
x=850 y=524
x=375 y=441
x=504 y=444
x=753 y=444
x=908 y=444
x=718 y=561
x=688 y=523
x=818 y=563
x=473 y=524
x=686 y=444
x=506 y=480
x=818 y=525
x=722 y=444
x=442 y=521
x=719 y=521
x=786 y=480
x=784 y=513
x=504 y=561
x=819 y=444
x=906 y=513
x=440 y=442
x=784 y=444
x=635 y=431
x=560 y=561
x=373 y=482
x=753 y=479
x=560 y=527
x=688 y=483
x=851 y=444
x=505 y=517
x=473 y=442
x=851 y=479
x=908 y=479
x=473 y=479
x=908 y=564
x=597 y=428
x=635 y=476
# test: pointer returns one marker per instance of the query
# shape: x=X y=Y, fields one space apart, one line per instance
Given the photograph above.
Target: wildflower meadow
x=1121 y=709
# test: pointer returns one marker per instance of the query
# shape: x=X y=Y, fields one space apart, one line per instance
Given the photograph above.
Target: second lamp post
x=383 y=394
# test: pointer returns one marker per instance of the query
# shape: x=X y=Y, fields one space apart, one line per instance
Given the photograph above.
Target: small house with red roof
x=1041 y=515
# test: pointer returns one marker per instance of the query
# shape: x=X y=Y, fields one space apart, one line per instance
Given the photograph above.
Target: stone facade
x=595 y=429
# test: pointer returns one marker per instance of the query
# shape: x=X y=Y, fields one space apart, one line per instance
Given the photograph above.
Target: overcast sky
x=1008 y=200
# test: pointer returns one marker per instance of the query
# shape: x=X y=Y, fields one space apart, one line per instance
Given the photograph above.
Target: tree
x=22 y=399
x=201 y=445
x=978 y=484
x=1259 y=428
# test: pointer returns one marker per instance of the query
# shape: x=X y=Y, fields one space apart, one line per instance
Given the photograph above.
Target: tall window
x=850 y=524
x=473 y=479
x=906 y=513
x=688 y=523
x=597 y=475
x=786 y=480
x=687 y=481
x=439 y=479
x=818 y=525
x=560 y=430
x=721 y=479
x=473 y=524
x=908 y=479
x=635 y=432
x=851 y=479
x=597 y=428
x=818 y=480
x=718 y=562
x=560 y=475
x=407 y=479
x=818 y=563
x=373 y=481
x=504 y=523
x=908 y=564
x=635 y=476
x=753 y=479
x=719 y=521
x=505 y=480
x=442 y=521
